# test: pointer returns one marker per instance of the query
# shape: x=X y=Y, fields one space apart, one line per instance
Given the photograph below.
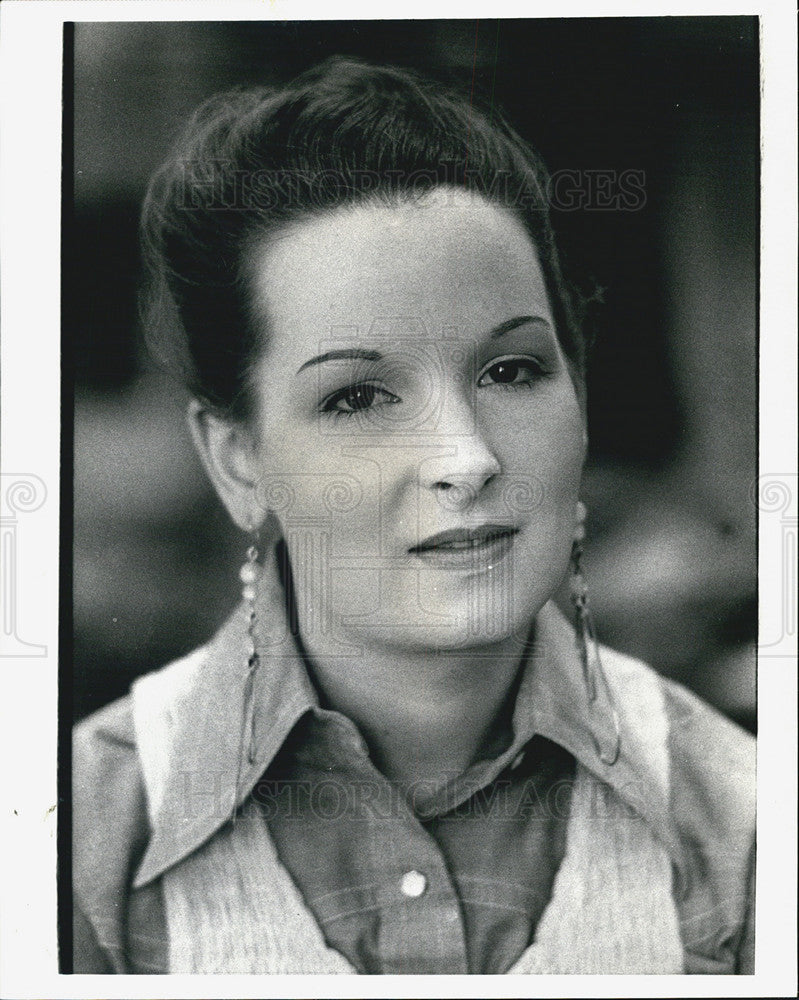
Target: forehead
x=451 y=261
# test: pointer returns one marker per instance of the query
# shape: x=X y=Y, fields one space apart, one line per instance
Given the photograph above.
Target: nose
x=466 y=464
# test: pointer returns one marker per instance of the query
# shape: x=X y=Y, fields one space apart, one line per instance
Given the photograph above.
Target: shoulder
x=105 y=746
x=107 y=788
x=111 y=826
x=713 y=755
x=109 y=832
x=713 y=802
x=108 y=731
x=707 y=751
x=108 y=781
x=710 y=805
x=105 y=773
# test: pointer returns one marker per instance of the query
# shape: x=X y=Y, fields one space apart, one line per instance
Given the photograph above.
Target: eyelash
x=328 y=406
x=535 y=367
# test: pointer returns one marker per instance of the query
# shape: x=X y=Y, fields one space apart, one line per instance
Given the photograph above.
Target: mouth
x=473 y=548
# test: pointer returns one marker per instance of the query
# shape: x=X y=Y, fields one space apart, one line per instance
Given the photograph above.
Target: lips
x=471 y=548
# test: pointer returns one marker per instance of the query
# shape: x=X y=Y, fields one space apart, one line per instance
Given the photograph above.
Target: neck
x=426 y=716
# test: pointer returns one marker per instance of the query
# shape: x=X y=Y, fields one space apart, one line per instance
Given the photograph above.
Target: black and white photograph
x=411 y=505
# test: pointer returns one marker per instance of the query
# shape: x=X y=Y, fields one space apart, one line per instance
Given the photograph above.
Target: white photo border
x=31 y=53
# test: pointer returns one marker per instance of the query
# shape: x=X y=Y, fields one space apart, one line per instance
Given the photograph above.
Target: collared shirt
x=479 y=861
x=490 y=881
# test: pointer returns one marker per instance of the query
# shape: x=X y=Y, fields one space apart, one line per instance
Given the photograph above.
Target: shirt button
x=413 y=884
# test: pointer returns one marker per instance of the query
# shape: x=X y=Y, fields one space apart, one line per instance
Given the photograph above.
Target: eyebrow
x=347 y=354
x=512 y=324
x=354 y=352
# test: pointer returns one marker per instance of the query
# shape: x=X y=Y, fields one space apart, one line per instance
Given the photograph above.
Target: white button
x=413 y=884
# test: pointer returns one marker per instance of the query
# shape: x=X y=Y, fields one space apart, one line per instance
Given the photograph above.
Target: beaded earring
x=587 y=644
x=248 y=574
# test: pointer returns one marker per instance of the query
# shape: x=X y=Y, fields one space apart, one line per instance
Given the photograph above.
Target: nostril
x=455 y=496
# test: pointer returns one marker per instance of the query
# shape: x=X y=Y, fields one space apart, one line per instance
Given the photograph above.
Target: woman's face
x=419 y=436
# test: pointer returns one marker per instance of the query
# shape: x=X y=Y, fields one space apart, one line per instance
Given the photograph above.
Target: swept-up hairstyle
x=254 y=160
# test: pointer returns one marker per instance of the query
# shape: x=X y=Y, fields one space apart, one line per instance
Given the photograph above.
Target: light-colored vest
x=232 y=907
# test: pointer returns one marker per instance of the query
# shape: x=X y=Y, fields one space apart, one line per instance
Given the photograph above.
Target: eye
x=511 y=373
x=356 y=398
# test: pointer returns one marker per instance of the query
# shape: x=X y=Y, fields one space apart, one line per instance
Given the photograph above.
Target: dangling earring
x=587 y=644
x=249 y=574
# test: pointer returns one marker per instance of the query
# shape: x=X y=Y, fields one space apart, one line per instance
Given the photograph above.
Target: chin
x=462 y=625
x=438 y=611
x=443 y=640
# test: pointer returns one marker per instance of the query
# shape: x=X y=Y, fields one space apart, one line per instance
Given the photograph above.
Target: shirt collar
x=213 y=762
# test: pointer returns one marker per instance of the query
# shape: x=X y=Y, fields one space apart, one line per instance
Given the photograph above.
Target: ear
x=228 y=453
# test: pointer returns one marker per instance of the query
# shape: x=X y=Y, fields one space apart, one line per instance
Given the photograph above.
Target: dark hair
x=254 y=160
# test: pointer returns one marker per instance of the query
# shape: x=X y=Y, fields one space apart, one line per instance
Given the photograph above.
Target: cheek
x=542 y=452
x=565 y=453
x=564 y=460
x=292 y=479
x=323 y=485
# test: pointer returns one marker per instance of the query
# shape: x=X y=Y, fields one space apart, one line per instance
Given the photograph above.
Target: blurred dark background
x=671 y=556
